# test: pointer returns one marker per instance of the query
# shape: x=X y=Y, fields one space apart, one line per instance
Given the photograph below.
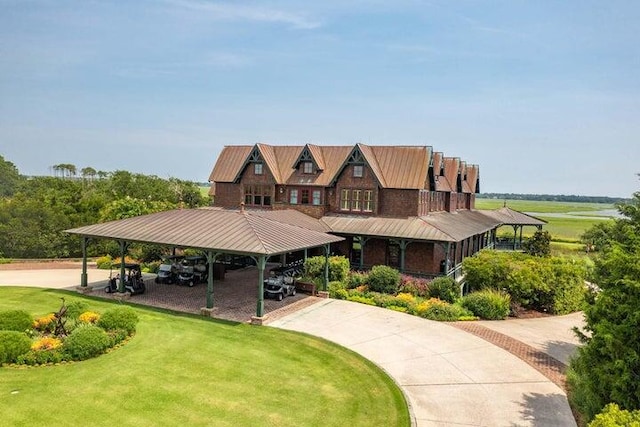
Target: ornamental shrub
x=445 y=289
x=414 y=285
x=12 y=345
x=338 y=268
x=613 y=416
x=45 y=323
x=487 y=304
x=89 y=317
x=119 y=318
x=15 y=320
x=85 y=342
x=76 y=308
x=46 y=343
x=357 y=278
x=384 y=279
x=334 y=287
x=40 y=357
x=435 y=309
x=104 y=262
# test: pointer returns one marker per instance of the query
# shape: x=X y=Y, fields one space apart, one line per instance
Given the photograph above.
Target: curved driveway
x=449 y=377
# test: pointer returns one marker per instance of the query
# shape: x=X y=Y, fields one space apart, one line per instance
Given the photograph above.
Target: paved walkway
x=450 y=377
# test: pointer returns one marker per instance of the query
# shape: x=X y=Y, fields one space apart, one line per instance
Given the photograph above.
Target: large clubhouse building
x=403 y=206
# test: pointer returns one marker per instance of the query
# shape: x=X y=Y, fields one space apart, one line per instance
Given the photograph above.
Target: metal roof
x=437 y=226
x=508 y=216
x=220 y=230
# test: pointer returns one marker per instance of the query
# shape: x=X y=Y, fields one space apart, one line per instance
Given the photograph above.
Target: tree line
x=554 y=198
x=34 y=211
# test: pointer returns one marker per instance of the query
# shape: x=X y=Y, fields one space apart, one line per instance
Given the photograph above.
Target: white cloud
x=234 y=12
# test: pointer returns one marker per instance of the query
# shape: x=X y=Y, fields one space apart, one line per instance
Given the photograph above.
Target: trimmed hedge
x=445 y=289
x=12 y=345
x=488 y=304
x=86 y=341
x=15 y=320
x=124 y=318
x=384 y=279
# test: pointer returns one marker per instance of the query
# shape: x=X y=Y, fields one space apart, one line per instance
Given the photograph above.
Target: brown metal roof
x=407 y=228
x=316 y=153
x=403 y=166
x=220 y=230
x=461 y=224
x=508 y=216
x=229 y=162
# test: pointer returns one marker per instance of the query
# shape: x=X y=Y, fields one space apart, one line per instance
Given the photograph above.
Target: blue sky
x=543 y=95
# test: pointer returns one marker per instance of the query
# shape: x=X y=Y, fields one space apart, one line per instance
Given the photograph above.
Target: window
x=368 y=201
x=358 y=171
x=307 y=167
x=317 y=197
x=304 y=197
x=356 y=202
x=344 y=199
x=257 y=195
x=257 y=168
x=293 y=197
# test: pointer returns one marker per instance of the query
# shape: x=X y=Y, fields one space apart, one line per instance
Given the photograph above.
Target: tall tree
x=607 y=368
x=9 y=178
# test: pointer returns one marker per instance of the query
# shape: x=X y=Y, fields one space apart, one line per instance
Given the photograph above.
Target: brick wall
x=228 y=195
x=346 y=180
x=398 y=203
x=375 y=252
x=313 y=211
x=419 y=257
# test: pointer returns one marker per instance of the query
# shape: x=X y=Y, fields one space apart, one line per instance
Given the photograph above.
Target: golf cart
x=194 y=270
x=133 y=282
x=279 y=286
x=169 y=269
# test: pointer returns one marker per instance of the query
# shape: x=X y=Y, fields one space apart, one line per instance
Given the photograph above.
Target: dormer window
x=358 y=171
x=257 y=168
x=307 y=167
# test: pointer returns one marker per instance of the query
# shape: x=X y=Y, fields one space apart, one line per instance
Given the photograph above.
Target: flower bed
x=73 y=333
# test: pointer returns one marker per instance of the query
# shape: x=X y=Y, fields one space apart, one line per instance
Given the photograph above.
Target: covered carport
x=215 y=231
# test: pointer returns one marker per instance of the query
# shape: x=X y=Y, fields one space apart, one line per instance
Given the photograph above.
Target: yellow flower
x=89 y=317
x=46 y=343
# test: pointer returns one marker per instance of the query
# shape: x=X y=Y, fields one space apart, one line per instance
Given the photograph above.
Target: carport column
x=262 y=262
x=403 y=248
x=325 y=282
x=211 y=259
x=123 y=250
x=83 y=276
x=447 y=262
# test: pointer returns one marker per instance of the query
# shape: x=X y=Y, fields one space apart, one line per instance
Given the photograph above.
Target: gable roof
x=398 y=166
x=508 y=216
x=223 y=230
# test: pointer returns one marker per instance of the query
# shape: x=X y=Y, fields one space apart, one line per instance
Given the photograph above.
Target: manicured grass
x=186 y=370
x=541 y=205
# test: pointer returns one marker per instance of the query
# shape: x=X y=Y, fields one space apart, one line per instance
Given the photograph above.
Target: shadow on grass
x=142 y=307
x=546 y=410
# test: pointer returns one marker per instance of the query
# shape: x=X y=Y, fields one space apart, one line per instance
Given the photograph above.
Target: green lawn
x=541 y=205
x=187 y=370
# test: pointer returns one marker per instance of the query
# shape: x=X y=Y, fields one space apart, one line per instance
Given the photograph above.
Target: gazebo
x=217 y=231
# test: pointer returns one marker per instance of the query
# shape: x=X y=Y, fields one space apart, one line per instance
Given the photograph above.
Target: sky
x=543 y=95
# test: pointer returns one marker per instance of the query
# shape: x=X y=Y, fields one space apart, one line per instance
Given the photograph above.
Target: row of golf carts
x=191 y=270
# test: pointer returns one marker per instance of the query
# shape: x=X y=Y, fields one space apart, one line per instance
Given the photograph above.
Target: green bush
x=445 y=289
x=15 y=320
x=124 y=318
x=487 y=304
x=12 y=345
x=613 y=416
x=442 y=311
x=334 y=287
x=338 y=268
x=357 y=278
x=76 y=308
x=150 y=267
x=85 y=342
x=104 y=262
x=384 y=279
x=361 y=299
x=340 y=294
x=383 y=300
x=40 y=357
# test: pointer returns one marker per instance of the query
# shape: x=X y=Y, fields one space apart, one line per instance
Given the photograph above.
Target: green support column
x=123 y=250
x=211 y=259
x=515 y=236
x=305 y=254
x=83 y=276
x=325 y=283
x=403 y=248
x=261 y=262
x=363 y=241
x=446 y=258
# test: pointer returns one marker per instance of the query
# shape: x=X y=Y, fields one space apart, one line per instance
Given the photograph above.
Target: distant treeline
x=554 y=198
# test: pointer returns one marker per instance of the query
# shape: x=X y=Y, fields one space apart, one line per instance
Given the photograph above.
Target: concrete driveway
x=449 y=377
